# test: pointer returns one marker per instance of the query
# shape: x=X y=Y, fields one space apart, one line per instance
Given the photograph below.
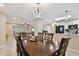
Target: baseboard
x=72 y=52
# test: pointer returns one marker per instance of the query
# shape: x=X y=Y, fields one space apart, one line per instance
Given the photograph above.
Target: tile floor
x=10 y=48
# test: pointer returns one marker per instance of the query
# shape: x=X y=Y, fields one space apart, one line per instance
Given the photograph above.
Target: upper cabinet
x=75 y=26
x=70 y=26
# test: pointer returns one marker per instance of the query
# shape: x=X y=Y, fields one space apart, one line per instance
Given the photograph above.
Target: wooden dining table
x=38 y=48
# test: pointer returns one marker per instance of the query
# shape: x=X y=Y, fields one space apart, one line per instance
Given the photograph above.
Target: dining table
x=38 y=48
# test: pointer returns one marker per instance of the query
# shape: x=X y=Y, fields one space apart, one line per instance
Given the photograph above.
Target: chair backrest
x=50 y=36
x=23 y=34
x=63 y=46
x=22 y=50
x=26 y=36
x=18 y=46
x=40 y=36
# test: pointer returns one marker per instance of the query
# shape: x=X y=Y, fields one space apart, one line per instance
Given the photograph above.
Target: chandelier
x=37 y=11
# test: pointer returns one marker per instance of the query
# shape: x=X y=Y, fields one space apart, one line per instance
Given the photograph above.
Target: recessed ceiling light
x=2 y=5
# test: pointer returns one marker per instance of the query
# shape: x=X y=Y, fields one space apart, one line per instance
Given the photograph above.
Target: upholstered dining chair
x=21 y=51
x=50 y=37
x=62 y=48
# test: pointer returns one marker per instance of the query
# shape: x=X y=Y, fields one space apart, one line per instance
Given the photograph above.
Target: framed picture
x=60 y=29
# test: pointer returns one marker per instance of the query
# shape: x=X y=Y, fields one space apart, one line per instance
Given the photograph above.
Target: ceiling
x=50 y=11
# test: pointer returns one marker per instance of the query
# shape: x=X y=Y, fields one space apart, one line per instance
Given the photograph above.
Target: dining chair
x=25 y=36
x=20 y=48
x=40 y=37
x=50 y=37
x=62 y=47
x=29 y=34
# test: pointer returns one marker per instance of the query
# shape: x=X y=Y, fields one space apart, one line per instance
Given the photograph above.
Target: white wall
x=2 y=29
x=40 y=25
x=37 y=24
x=48 y=27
